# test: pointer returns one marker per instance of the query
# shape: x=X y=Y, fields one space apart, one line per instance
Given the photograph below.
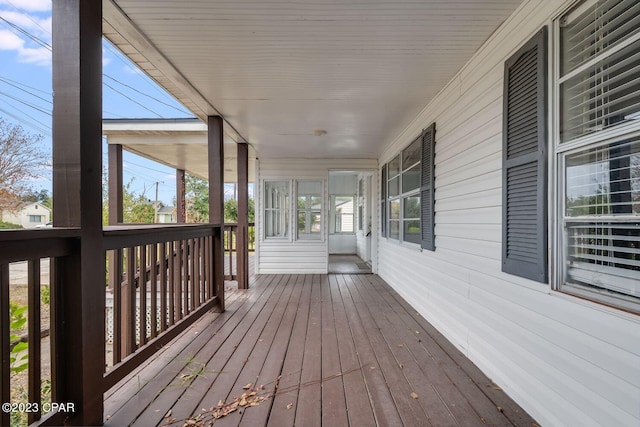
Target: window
x=276 y=209
x=35 y=218
x=309 y=195
x=598 y=151
x=409 y=192
x=342 y=212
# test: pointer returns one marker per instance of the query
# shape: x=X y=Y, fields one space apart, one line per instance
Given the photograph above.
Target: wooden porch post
x=242 y=237
x=180 y=196
x=116 y=209
x=77 y=193
x=216 y=200
x=116 y=216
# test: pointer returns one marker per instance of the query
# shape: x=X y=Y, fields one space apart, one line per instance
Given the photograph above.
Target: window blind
x=600 y=66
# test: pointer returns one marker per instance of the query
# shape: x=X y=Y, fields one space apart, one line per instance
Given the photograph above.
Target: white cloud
x=30 y=5
x=10 y=41
x=37 y=56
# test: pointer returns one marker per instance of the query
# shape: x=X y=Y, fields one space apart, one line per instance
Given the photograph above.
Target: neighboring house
x=27 y=214
x=166 y=214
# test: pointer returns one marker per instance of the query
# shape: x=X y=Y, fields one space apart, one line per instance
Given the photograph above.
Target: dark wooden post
x=77 y=195
x=216 y=200
x=242 y=237
x=116 y=209
x=181 y=207
x=116 y=216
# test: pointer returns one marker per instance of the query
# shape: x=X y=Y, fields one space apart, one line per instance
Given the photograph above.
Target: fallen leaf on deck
x=499 y=409
x=483 y=420
x=414 y=395
x=247 y=387
x=290 y=405
x=400 y=345
x=417 y=332
x=168 y=414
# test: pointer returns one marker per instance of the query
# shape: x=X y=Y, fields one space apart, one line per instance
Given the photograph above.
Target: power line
x=24 y=90
x=28 y=17
x=28 y=104
x=144 y=94
x=130 y=99
x=28 y=34
x=26 y=123
x=6 y=79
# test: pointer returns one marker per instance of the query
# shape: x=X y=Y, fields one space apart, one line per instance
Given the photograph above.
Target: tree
x=196 y=199
x=137 y=209
x=21 y=159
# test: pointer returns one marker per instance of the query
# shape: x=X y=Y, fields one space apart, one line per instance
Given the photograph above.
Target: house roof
x=166 y=210
x=282 y=74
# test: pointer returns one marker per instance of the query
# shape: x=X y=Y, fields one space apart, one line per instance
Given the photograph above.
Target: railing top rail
x=120 y=236
x=24 y=245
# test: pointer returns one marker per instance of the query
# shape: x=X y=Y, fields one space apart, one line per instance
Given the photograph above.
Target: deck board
x=343 y=349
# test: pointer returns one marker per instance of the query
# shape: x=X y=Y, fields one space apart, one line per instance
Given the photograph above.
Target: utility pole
x=155 y=204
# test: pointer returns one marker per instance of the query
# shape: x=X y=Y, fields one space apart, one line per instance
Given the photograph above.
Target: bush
x=9 y=225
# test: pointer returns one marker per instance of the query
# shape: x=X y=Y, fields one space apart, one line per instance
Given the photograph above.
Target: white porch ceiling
x=277 y=70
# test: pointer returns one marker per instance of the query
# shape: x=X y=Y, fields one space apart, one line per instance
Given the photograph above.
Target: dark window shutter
x=427 y=189
x=383 y=201
x=524 y=161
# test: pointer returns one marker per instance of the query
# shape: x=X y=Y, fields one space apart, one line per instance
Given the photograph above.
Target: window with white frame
x=597 y=145
x=309 y=196
x=403 y=194
x=342 y=212
x=276 y=209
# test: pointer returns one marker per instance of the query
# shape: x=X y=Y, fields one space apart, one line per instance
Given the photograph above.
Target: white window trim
x=263 y=211
x=294 y=216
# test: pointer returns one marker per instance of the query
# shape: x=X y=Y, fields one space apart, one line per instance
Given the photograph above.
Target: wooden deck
x=331 y=350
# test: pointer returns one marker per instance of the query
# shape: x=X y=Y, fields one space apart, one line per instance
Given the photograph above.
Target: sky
x=26 y=94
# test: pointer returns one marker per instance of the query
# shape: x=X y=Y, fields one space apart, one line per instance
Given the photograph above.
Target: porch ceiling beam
x=79 y=356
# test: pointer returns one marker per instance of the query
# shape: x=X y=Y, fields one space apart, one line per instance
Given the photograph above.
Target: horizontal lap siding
x=566 y=361
x=300 y=257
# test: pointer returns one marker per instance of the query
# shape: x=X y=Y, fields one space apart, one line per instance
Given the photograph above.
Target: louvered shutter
x=524 y=164
x=383 y=202
x=427 y=189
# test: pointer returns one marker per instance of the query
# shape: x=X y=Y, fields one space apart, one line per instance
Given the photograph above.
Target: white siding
x=566 y=361
x=291 y=256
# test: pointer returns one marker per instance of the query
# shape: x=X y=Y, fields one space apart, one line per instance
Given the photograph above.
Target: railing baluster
x=172 y=281
x=116 y=284
x=177 y=285
x=129 y=311
x=200 y=259
x=208 y=263
x=163 y=286
x=142 y=292
x=193 y=275
x=186 y=285
x=5 y=344
x=154 y=288
x=33 y=298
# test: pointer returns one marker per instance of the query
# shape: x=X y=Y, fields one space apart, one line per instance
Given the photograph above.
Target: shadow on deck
x=331 y=350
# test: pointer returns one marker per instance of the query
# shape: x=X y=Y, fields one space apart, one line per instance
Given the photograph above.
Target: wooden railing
x=62 y=247
x=231 y=249
x=176 y=274
x=174 y=284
